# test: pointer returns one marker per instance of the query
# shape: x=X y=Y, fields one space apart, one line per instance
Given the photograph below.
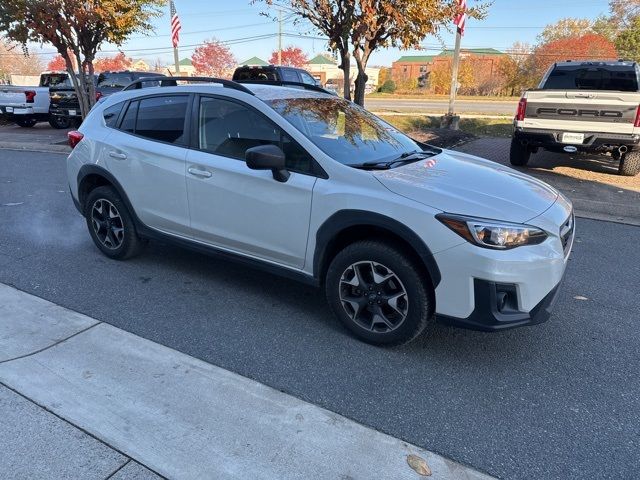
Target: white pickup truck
x=27 y=106
x=582 y=107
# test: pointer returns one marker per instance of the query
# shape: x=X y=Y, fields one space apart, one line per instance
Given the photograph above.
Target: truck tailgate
x=581 y=110
x=12 y=95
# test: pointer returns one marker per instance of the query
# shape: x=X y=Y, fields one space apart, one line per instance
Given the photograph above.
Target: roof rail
x=285 y=83
x=171 y=82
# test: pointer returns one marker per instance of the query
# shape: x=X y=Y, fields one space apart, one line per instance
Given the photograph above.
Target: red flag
x=460 y=19
x=175 y=25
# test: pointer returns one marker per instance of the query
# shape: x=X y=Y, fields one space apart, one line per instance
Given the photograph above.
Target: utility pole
x=279 y=36
x=175 y=59
x=454 y=74
x=450 y=120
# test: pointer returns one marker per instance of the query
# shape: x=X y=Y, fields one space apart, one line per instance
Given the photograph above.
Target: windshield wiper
x=404 y=158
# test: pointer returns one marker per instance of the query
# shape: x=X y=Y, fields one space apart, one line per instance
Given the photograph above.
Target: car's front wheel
x=379 y=293
x=26 y=122
x=110 y=224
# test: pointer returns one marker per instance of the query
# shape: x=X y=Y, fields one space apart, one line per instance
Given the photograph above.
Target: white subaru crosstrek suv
x=398 y=233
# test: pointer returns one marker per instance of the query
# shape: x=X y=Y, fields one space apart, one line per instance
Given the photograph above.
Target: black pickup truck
x=65 y=108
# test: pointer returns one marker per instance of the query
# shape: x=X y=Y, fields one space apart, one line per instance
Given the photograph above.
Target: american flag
x=460 y=19
x=175 y=25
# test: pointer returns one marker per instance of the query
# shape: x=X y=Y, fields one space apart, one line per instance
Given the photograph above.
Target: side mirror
x=268 y=157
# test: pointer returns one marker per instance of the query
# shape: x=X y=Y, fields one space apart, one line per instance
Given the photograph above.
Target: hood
x=459 y=183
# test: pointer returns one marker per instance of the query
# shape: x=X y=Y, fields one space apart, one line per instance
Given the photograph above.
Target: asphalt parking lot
x=558 y=400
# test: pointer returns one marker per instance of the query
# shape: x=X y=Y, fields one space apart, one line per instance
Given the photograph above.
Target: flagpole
x=175 y=59
x=454 y=73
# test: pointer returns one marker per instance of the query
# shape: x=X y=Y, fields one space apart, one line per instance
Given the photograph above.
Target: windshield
x=344 y=131
x=610 y=77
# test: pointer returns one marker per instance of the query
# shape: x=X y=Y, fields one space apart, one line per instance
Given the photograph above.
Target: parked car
x=65 y=107
x=27 y=106
x=274 y=73
x=583 y=106
x=311 y=186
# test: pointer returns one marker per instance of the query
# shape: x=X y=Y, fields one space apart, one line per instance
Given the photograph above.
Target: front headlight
x=493 y=234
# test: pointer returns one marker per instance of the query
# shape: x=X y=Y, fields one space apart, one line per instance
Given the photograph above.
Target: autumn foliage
x=214 y=59
x=585 y=47
x=118 y=62
x=291 y=57
x=57 y=63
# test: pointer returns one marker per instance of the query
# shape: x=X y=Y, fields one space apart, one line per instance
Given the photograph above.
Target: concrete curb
x=35 y=147
x=187 y=419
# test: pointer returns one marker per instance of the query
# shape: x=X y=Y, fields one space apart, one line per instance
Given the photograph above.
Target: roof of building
x=185 y=61
x=254 y=61
x=415 y=58
x=471 y=51
x=321 y=60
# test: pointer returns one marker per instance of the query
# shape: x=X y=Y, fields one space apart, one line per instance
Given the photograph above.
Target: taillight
x=636 y=123
x=30 y=95
x=522 y=107
x=98 y=96
x=74 y=138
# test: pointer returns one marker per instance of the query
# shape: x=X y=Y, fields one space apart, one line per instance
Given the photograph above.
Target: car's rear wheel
x=630 y=164
x=110 y=224
x=59 y=122
x=27 y=122
x=379 y=293
x=518 y=153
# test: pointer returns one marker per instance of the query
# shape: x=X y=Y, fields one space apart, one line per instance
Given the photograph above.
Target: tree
x=565 y=28
x=628 y=41
x=440 y=76
x=213 y=59
x=590 y=46
x=118 y=62
x=77 y=29
x=624 y=12
x=357 y=28
x=291 y=56
x=13 y=61
x=516 y=69
x=57 y=63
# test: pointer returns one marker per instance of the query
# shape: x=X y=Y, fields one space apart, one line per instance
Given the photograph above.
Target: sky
x=248 y=33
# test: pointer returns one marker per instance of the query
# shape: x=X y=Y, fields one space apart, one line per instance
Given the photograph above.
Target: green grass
x=480 y=127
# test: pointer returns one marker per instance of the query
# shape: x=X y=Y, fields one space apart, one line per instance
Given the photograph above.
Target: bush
x=388 y=87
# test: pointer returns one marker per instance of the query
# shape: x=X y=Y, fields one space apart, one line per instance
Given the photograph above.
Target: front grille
x=566 y=233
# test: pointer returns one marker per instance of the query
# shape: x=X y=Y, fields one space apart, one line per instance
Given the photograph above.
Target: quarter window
x=129 y=121
x=111 y=114
x=230 y=129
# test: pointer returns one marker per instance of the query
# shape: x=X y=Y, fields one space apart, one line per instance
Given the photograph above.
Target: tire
x=59 y=122
x=518 y=154
x=114 y=234
x=405 y=315
x=630 y=164
x=27 y=122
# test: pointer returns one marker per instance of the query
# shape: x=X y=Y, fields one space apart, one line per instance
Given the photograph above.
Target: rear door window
x=129 y=121
x=162 y=118
x=308 y=79
x=610 y=77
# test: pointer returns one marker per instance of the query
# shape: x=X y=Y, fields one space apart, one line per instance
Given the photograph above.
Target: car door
x=239 y=209
x=147 y=154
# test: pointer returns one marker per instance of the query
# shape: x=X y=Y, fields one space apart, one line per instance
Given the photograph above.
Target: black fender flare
x=343 y=219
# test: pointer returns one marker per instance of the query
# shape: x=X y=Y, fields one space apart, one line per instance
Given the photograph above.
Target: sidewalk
x=84 y=399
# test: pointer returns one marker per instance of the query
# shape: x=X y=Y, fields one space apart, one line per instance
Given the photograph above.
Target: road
x=440 y=106
x=556 y=401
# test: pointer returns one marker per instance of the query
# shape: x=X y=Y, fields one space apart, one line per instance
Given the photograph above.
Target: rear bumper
x=550 y=140
x=487 y=317
x=11 y=110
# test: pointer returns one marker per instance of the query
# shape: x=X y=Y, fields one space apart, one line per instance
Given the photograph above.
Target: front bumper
x=65 y=112
x=487 y=317
x=550 y=140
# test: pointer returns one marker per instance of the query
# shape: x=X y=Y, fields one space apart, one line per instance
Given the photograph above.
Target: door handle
x=199 y=173
x=119 y=156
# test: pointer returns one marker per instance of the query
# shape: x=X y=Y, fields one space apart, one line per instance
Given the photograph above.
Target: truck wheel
x=630 y=164
x=27 y=122
x=518 y=154
x=59 y=122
